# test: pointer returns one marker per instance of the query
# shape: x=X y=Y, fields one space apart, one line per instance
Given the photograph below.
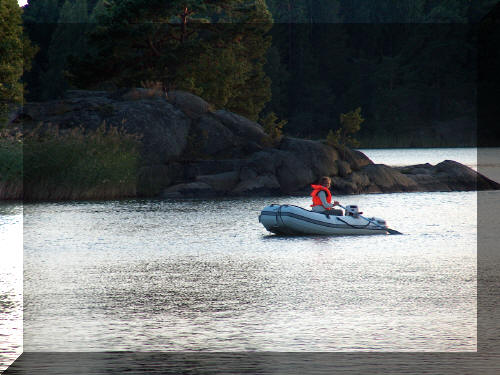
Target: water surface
x=11 y=283
x=205 y=275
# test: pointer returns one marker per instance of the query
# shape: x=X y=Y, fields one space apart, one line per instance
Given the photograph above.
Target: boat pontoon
x=293 y=220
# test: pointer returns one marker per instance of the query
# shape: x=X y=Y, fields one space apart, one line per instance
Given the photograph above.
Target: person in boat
x=322 y=198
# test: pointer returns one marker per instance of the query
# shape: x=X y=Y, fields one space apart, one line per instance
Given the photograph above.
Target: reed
x=11 y=164
x=70 y=164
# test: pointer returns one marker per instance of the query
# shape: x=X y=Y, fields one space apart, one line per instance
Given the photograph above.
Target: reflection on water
x=11 y=283
x=205 y=275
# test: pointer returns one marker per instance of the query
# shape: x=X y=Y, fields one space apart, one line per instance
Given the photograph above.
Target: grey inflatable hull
x=294 y=220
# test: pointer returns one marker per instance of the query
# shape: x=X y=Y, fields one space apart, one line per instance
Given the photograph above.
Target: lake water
x=182 y=275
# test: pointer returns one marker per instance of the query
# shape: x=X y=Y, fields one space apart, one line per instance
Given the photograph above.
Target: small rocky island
x=191 y=150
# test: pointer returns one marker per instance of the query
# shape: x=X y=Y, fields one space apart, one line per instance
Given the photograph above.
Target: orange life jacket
x=316 y=199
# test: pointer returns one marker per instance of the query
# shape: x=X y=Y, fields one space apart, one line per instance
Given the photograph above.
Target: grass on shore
x=11 y=165
x=49 y=163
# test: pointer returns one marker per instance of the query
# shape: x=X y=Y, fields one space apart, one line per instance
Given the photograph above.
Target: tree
x=273 y=127
x=350 y=123
x=58 y=28
x=16 y=53
x=68 y=39
x=215 y=49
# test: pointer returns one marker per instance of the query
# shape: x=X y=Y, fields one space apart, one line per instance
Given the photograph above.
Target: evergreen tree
x=250 y=98
x=16 y=53
x=350 y=123
x=98 y=10
x=213 y=48
x=69 y=39
x=42 y=11
x=58 y=28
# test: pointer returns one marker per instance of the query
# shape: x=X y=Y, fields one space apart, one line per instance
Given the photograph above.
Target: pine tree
x=40 y=19
x=350 y=123
x=68 y=39
x=215 y=49
x=16 y=53
x=98 y=10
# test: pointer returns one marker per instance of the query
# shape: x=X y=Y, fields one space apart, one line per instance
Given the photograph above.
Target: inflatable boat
x=294 y=220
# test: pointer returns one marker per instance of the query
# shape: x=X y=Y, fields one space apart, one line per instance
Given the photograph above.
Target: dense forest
x=410 y=65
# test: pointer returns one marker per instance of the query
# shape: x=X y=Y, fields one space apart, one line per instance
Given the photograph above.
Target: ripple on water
x=198 y=275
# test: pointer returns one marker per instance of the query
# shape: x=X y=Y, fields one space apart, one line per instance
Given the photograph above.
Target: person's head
x=325 y=181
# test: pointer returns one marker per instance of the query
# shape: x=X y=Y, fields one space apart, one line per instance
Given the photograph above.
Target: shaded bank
x=189 y=149
x=47 y=163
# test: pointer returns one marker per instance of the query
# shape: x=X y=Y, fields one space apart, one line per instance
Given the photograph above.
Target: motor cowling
x=352 y=210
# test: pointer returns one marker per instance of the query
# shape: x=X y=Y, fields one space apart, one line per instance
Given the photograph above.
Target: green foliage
x=11 y=156
x=407 y=63
x=79 y=164
x=305 y=11
x=210 y=48
x=11 y=164
x=68 y=39
x=273 y=127
x=16 y=53
x=98 y=11
x=333 y=137
x=59 y=27
x=350 y=123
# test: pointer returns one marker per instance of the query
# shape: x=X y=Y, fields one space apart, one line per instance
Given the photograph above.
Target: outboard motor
x=352 y=210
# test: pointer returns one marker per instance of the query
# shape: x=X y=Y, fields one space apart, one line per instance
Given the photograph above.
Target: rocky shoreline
x=192 y=150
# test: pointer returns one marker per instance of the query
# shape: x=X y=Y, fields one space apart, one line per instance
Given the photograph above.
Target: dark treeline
x=410 y=65
x=415 y=83
x=215 y=49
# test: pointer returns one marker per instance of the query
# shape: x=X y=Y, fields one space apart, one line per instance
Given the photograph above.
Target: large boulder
x=193 y=106
x=344 y=169
x=355 y=183
x=448 y=175
x=264 y=162
x=215 y=139
x=163 y=127
x=356 y=159
x=190 y=190
x=424 y=176
x=427 y=182
x=221 y=182
x=152 y=179
x=292 y=172
x=190 y=151
x=211 y=167
x=417 y=169
x=88 y=111
x=261 y=185
x=243 y=127
x=461 y=177
x=319 y=158
x=388 y=179
x=343 y=186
